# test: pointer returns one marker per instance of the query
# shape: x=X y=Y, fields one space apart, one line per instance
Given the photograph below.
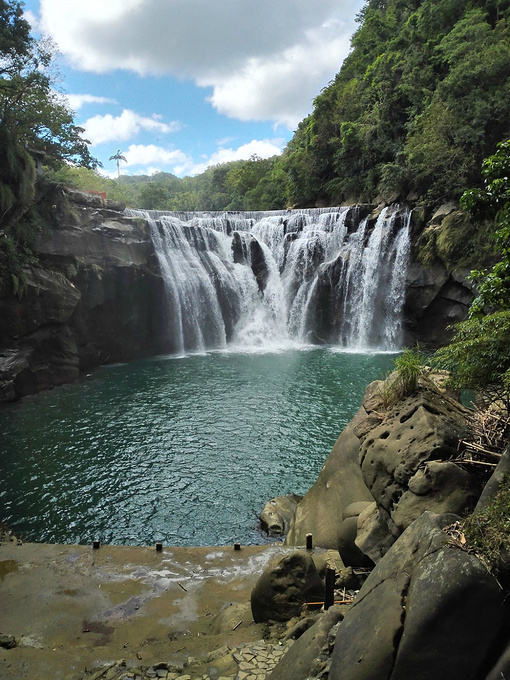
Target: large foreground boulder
x=428 y=610
x=340 y=483
x=349 y=552
x=285 y=587
x=310 y=653
x=398 y=453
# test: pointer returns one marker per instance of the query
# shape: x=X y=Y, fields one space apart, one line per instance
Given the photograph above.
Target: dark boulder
x=285 y=587
x=97 y=296
x=311 y=651
x=349 y=552
x=427 y=610
x=7 y=641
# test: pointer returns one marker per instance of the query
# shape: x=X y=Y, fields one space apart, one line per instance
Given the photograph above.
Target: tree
x=478 y=356
x=153 y=196
x=14 y=37
x=118 y=157
x=35 y=123
x=493 y=200
x=422 y=98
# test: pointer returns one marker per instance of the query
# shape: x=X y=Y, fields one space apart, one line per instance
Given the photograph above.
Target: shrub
x=488 y=531
x=478 y=357
x=404 y=380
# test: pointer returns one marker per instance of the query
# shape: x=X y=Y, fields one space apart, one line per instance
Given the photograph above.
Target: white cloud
x=32 y=19
x=265 y=60
x=108 y=128
x=147 y=155
x=149 y=159
x=76 y=101
x=269 y=84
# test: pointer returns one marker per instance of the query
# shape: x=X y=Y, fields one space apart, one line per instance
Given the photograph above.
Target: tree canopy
x=479 y=353
x=421 y=99
x=35 y=124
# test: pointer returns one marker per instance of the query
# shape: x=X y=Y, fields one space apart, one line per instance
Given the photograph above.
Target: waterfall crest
x=262 y=279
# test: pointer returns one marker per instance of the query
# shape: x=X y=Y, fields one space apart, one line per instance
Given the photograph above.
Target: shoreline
x=72 y=609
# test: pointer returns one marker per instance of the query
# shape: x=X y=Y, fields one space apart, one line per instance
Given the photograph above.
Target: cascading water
x=282 y=277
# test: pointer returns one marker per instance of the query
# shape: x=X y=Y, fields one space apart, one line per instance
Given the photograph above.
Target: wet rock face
x=435 y=299
x=247 y=250
x=97 y=298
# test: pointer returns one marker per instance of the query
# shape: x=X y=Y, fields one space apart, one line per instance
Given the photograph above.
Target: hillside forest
x=422 y=98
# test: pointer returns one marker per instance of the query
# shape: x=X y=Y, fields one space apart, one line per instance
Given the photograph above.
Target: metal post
x=329 y=592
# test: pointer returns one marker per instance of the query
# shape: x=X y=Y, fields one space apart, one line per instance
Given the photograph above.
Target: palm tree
x=118 y=157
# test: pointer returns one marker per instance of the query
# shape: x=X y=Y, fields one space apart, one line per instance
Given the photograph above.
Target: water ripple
x=184 y=451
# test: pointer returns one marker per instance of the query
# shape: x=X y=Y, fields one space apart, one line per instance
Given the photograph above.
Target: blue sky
x=178 y=85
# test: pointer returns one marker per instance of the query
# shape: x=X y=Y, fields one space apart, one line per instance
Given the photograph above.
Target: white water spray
x=282 y=277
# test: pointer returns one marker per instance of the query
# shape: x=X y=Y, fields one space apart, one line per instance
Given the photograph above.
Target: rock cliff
x=96 y=296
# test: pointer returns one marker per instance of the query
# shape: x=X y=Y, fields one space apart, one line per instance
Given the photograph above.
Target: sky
x=180 y=85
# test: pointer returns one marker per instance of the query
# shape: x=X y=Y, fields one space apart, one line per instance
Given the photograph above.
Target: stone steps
x=254 y=661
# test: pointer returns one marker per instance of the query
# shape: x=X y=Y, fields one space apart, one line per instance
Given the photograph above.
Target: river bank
x=72 y=609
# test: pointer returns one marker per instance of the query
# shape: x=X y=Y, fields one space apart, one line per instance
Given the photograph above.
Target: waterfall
x=262 y=279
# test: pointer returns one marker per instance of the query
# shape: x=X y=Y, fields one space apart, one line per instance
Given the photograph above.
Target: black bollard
x=329 y=591
x=96 y=545
x=309 y=541
x=159 y=547
x=237 y=546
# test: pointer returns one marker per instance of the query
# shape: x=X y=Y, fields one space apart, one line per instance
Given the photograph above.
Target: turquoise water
x=182 y=450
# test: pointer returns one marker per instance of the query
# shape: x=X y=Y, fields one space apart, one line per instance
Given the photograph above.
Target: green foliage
x=478 y=357
x=488 y=531
x=493 y=200
x=458 y=240
x=35 y=123
x=409 y=367
x=423 y=96
x=255 y=184
x=86 y=179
